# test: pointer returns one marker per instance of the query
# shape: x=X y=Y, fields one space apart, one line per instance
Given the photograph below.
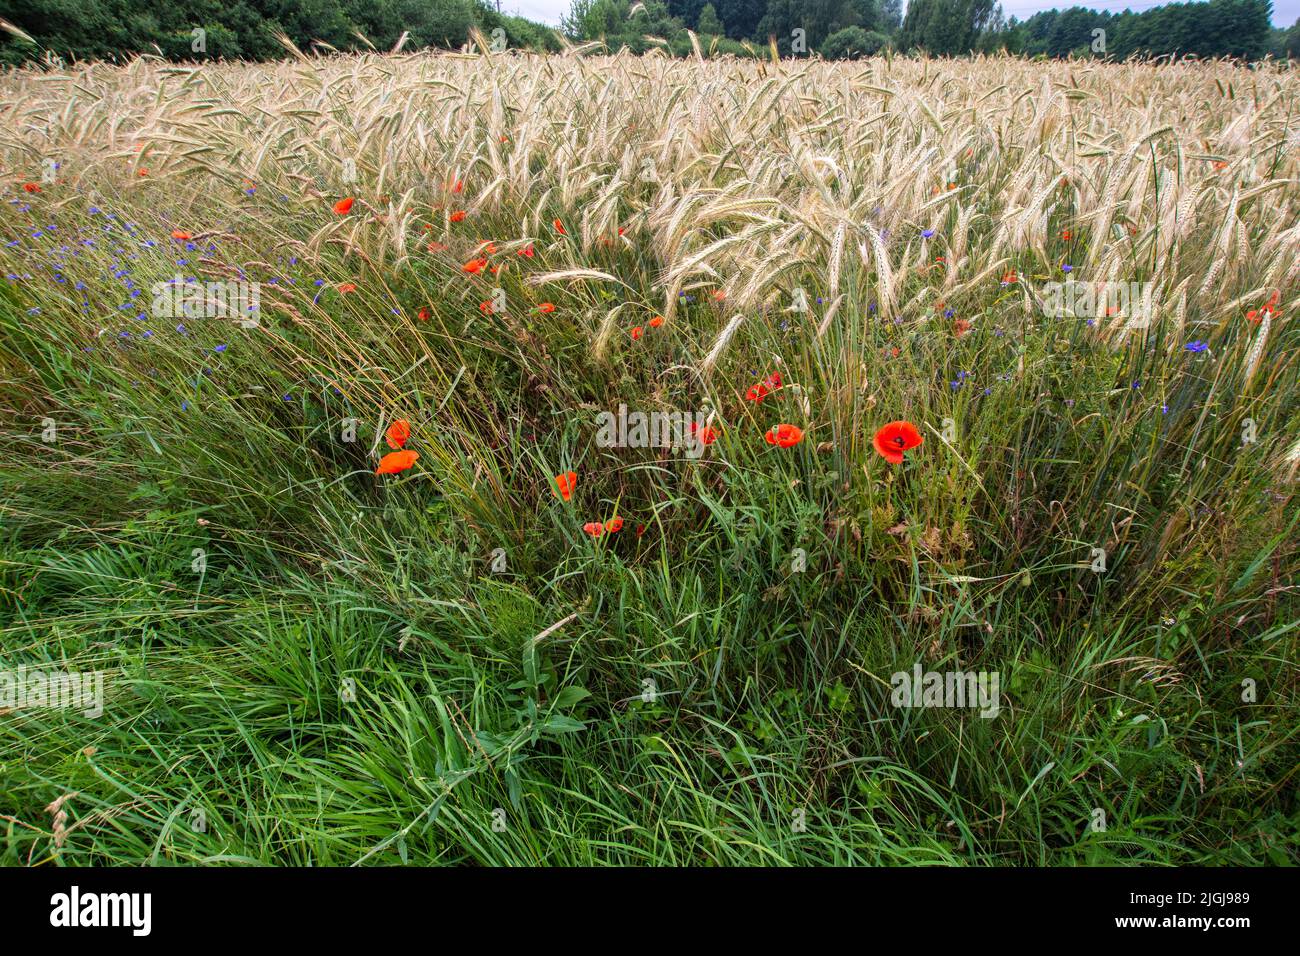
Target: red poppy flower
x=396 y=461
x=614 y=525
x=559 y=227
x=398 y=433
x=961 y=327
x=474 y=266
x=458 y=187
x=344 y=206
x=348 y=287
x=31 y=188
x=784 y=436
x=142 y=172
x=424 y=314
x=1220 y=164
x=706 y=435
x=564 y=484
x=1067 y=235
x=488 y=247
x=180 y=236
x=770 y=384
x=657 y=321
x=719 y=295
x=546 y=307
x=457 y=216
x=894 y=439
x=486 y=308
x=640 y=530
x=525 y=251
x=1267 y=310
x=637 y=333
x=593 y=528
x=1009 y=277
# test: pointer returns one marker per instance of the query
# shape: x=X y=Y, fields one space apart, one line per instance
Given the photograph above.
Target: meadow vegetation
x=321 y=664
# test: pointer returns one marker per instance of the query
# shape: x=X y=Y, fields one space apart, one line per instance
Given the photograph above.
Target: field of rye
x=230 y=292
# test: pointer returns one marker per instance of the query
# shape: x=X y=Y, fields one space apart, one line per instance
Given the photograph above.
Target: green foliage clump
x=853 y=43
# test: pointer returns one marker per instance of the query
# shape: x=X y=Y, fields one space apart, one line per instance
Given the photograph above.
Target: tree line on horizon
x=835 y=29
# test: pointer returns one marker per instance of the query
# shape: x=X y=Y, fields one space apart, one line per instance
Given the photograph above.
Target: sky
x=1285 y=12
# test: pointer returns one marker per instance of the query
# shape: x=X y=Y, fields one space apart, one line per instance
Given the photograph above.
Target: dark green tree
x=709 y=22
x=853 y=43
x=947 y=27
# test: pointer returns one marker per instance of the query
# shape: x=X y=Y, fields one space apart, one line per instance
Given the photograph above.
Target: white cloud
x=542 y=11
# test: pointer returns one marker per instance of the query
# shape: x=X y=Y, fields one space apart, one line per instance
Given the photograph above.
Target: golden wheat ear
x=8 y=27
